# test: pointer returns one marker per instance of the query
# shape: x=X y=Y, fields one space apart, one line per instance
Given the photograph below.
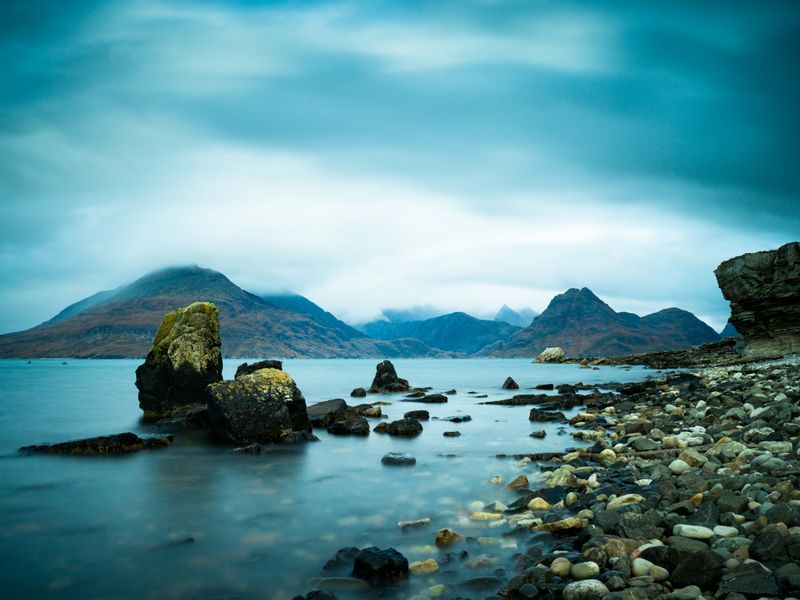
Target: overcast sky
x=372 y=155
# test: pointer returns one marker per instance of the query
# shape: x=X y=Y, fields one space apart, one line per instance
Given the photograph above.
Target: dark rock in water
x=355 y=426
x=429 y=399
x=264 y=406
x=404 y=428
x=246 y=369
x=386 y=379
x=324 y=413
x=457 y=419
x=419 y=415
x=398 y=458
x=544 y=386
x=120 y=443
x=381 y=427
x=185 y=358
x=358 y=393
x=539 y=434
x=343 y=558
x=451 y=392
x=380 y=567
x=452 y=434
x=545 y=416
x=703 y=569
x=762 y=288
x=317 y=594
x=299 y=437
x=510 y=384
x=250 y=449
x=192 y=417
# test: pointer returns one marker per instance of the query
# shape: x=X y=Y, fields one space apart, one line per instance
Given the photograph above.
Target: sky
x=373 y=155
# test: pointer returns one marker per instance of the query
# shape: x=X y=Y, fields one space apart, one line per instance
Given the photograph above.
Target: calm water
x=194 y=521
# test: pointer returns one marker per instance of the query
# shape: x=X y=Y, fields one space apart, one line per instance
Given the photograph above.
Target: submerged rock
x=185 y=358
x=398 y=458
x=264 y=406
x=349 y=426
x=380 y=567
x=120 y=443
x=386 y=379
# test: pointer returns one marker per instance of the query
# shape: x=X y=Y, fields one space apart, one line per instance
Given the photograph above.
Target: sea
x=196 y=521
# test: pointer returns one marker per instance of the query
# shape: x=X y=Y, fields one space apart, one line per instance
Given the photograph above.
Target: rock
x=624 y=500
x=424 y=567
x=539 y=434
x=769 y=548
x=119 y=443
x=343 y=558
x=520 y=481
x=678 y=466
x=584 y=570
x=538 y=415
x=246 y=369
x=381 y=427
x=762 y=290
x=563 y=525
x=322 y=414
x=349 y=426
x=702 y=569
x=641 y=567
x=588 y=589
x=643 y=444
x=398 y=458
x=429 y=399
x=264 y=406
x=560 y=567
x=358 y=393
x=419 y=415
x=754 y=584
x=445 y=537
x=380 y=567
x=404 y=428
x=538 y=504
x=551 y=355
x=510 y=384
x=457 y=419
x=415 y=524
x=695 y=532
x=452 y=434
x=249 y=449
x=186 y=356
x=386 y=379
x=190 y=417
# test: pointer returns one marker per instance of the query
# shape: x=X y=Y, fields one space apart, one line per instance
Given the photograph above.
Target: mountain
x=583 y=325
x=729 y=331
x=123 y=322
x=412 y=313
x=454 y=332
x=517 y=318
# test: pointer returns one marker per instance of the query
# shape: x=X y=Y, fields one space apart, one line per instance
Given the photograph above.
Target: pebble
x=725 y=531
x=423 y=567
x=560 y=567
x=584 y=570
x=695 y=532
x=679 y=466
x=624 y=500
x=583 y=590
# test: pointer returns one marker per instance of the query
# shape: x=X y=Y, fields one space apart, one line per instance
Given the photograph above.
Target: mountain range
x=122 y=323
x=517 y=318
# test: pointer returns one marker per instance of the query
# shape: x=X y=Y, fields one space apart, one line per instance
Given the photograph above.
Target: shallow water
x=195 y=521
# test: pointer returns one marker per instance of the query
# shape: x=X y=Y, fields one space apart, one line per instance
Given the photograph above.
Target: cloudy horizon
x=373 y=155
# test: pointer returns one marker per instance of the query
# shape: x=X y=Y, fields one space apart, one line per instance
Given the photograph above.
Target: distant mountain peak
x=517 y=318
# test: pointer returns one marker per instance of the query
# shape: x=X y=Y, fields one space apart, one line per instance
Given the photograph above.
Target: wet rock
x=643 y=444
x=358 y=393
x=544 y=386
x=349 y=426
x=510 y=384
x=120 y=443
x=769 y=548
x=584 y=570
x=539 y=434
x=703 y=569
x=545 y=416
x=428 y=399
x=457 y=419
x=520 y=481
x=452 y=434
x=263 y=406
x=398 y=458
x=419 y=415
x=695 y=532
x=404 y=428
x=250 y=449
x=190 y=417
x=379 y=567
x=588 y=589
x=324 y=413
x=551 y=355
x=246 y=369
x=415 y=524
x=424 y=567
x=186 y=356
x=445 y=538
x=757 y=583
x=343 y=559
x=386 y=379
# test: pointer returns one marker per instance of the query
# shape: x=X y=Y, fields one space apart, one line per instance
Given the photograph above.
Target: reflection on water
x=194 y=521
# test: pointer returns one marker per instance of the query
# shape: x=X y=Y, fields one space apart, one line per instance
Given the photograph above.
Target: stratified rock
x=510 y=384
x=120 y=443
x=764 y=291
x=386 y=379
x=551 y=355
x=264 y=406
x=380 y=567
x=246 y=369
x=185 y=358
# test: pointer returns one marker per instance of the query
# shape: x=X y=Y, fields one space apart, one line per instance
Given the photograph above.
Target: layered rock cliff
x=764 y=291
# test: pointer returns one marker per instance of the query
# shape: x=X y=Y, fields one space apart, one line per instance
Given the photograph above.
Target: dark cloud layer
x=523 y=115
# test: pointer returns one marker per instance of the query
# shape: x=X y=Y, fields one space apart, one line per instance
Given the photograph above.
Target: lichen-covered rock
x=185 y=358
x=264 y=406
x=551 y=355
x=386 y=379
x=764 y=291
x=246 y=368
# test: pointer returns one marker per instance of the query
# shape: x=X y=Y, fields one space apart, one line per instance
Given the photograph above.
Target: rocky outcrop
x=764 y=291
x=120 y=443
x=551 y=355
x=185 y=358
x=246 y=368
x=264 y=406
x=386 y=379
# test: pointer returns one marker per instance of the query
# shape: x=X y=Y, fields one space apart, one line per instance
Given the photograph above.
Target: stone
x=588 y=589
x=359 y=392
x=551 y=355
x=186 y=356
x=264 y=406
x=769 y=547
x=643 y=444
x=678 y=466
x=538 y=504
x=379 y=567
x=349 y=426
x=520 y=481
x=322 y=414
x=119 y=443
x=560 y=567
x=452 y=434
x=562 y=525
x=725 y=531
x=445 y=538
x=343 y=558
x=584 y=570
x=424 y=567
x=754 y=584
x=695 y=532
x=703 y=569
x=404 y=428
x=398 y=459
x=762 y=290
x=510 y=384
x=386 y=379
x=419 y=415
x=480 y=515
x=415 y=524
x=539 y=434
x=246 y=369
x=624 y=500
x=607 y=457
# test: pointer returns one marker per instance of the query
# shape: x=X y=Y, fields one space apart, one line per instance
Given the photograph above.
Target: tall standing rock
x=263 y=406
x=764 y=291
x=386 y=379
x=186 y=357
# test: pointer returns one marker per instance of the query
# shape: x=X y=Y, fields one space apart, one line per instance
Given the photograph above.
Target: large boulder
x=185 y=358
x=763 y=290
x=263 y=406
x=120 y=443
x=386 y=379
x=551 y=355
